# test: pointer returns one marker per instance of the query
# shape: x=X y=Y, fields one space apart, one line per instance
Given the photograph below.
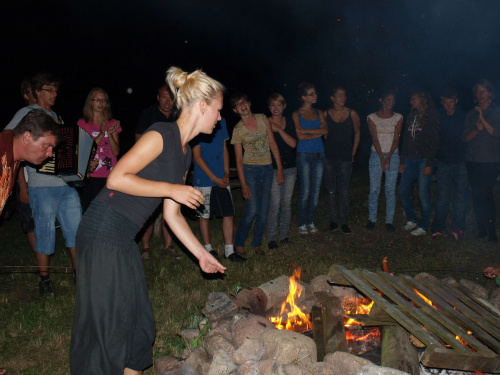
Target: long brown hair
x=426 y=105
x=88 y=112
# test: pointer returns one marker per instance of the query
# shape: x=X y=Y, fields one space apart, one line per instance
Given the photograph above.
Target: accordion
x=71 y=157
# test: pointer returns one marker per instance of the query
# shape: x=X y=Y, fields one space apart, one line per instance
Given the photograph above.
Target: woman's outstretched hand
x=209 y=264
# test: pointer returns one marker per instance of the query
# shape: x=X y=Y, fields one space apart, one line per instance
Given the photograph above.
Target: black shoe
x=482 y=234
x=493 y=238
x=390 y=228
x=214 y=254
x=236 y=258
x=271 y=245
x=45 y=288
x=346 y=229
x=333 y=226
x=370 y=225
x=285 y=241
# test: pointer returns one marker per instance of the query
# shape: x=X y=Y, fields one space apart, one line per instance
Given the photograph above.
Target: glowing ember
x=356 y=306
x=296 y=320
x=423 y=297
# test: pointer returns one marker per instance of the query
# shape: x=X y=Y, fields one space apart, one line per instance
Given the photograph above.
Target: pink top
x=106 y=158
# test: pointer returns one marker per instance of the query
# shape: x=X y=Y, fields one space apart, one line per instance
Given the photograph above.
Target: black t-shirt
x=170 y=166
x=340 y=139
x=149 y=117
x=287 y=153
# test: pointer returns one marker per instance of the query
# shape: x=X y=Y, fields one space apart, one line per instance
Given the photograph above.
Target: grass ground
x=35 y=332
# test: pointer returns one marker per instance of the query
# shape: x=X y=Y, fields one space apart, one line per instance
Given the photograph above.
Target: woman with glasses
x=310 y=126
x=99 y=123
x=481 y=134
x=341 y=145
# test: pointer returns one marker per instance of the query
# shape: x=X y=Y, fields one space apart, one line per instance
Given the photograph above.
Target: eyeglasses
x=100 y=100
x=240 y=103
x=312 y=94
x=52 y=91
x=482 y=92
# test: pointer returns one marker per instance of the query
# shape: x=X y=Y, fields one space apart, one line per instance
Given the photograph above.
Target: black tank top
x=170 y=166
x=340 y=139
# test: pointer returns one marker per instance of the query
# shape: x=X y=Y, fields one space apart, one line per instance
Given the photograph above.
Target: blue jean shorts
x=49 y=203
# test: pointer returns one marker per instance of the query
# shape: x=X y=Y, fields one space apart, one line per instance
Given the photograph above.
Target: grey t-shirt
x=36 y=179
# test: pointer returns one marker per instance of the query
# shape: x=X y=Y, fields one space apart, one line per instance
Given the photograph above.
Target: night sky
x=258 y=47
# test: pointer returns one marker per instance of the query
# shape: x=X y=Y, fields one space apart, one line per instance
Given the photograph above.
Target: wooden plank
x=450 y=359
x=484 y=303
x=416 y=313
x=393 y=311
x=397 y=350
x=378 y=313
x=454 y=314
x=465 y=310
x=318 y=331
x=336 y=277
x=399 y=284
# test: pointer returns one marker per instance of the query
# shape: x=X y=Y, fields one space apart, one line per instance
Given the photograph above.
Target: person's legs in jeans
x=304 y=174
x=408 y=178
x=444 y=179
x=475 y=172
x=375 y=173
x=274 y=207
x=251 y=178
x=263 y=188
x=460 y=197
x=391 y=178
x=69 y=214
x=286 y=193
x=424 y=194
x=331 y=189
x=489 y=180
x=344 y=179
x=318 y=164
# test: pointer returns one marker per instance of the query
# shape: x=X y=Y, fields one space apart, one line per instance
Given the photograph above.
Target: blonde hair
x=188 y=88
x=88 y=112
x=278 y=97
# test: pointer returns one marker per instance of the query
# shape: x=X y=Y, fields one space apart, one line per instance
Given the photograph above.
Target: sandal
x=240 y=250
x=145 y=253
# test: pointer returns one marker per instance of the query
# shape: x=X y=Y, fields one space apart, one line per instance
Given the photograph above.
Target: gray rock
x=190 y=334
x=222 y=330
x=249 y=368
x=347 y=364
x=344 y=293
x=379 y=370
x=167 y=365
x=495 y=298
x=323 y=368
x=188 y=370
x=268 y=367
x=216 y=342
x=222 y=364
x=286 y=347
x=199 y=360
x=251 y=350
x=477 y=289
x=219 y=306
x=320 y=284
x=250 y=327
x=292 y=370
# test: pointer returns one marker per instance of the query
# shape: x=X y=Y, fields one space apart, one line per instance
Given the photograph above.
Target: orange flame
x=296 y=320
x=423 y=297
x=360 y=308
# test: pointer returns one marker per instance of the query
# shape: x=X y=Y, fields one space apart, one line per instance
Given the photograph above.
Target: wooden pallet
x=455 y=311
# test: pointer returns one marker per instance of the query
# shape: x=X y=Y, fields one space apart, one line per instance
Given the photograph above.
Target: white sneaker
x=303 y=229
x=312 y=228
x=418 y=232
x=410 y=225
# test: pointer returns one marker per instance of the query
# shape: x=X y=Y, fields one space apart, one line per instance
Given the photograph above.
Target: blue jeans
x=281 y=202
x=391 y=177
x=337 y=179
x=451 y=179
x=310 y=171
x=49 y=203
x=259 y=179
x=414 y=171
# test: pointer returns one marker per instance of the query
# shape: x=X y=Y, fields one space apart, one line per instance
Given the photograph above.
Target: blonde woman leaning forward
x=114 y=329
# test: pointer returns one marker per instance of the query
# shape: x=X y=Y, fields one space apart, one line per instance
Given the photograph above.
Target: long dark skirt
x=113 y=326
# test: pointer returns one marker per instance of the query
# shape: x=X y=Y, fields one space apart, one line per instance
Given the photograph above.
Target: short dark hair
x=449 y=93
x=38 y=123
x=41 y=79
x=303 y=87
x=25 y=87
x=235 y=98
